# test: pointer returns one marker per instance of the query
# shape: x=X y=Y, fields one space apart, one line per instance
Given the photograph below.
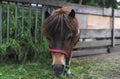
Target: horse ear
x=47 y=14
x=72 y=14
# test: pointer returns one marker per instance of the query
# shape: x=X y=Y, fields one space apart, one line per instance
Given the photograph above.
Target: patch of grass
x=81 y=69
x=24 y=71
x=29 y=70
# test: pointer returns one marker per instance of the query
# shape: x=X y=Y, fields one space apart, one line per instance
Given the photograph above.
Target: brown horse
x=61 y=30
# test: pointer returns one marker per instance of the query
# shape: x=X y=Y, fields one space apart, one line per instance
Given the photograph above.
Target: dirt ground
x=109 y=65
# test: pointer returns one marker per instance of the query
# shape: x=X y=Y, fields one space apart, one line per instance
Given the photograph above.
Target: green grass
x=36 y=70
x=25 y=71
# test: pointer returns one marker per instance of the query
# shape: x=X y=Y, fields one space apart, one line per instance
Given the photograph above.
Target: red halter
x=59 y=51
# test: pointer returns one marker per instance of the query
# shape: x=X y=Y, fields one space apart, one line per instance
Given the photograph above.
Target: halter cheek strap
x=59 y=51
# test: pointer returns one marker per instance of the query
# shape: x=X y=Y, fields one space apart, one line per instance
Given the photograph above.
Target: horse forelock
x=61 y=10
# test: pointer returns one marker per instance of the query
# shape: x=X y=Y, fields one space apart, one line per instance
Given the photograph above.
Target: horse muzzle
x=58 y=69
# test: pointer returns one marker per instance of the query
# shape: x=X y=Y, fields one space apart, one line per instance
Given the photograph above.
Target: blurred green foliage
x=97 y=3
x=23 y=45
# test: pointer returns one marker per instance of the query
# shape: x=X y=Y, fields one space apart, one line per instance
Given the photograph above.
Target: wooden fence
x=99 y=27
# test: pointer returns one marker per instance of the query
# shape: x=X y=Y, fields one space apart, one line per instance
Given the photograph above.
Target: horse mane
x=59 y=22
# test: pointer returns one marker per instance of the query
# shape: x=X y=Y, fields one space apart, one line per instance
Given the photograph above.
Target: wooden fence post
x=43 y=12
x=23 y=9
x=36 y=21
x=0 y=21
x=113 y=28
x=16 y=17
x=8 y=21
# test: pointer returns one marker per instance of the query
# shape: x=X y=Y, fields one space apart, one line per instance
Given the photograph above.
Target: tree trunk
x=80 y=2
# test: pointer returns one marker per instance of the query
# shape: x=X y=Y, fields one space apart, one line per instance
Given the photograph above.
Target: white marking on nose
x=58 y=59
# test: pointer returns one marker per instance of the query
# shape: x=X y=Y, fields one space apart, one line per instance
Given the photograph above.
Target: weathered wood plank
x=98 y=33
x=93 y=10
x=89 y=52
x=114 y=49
x=98 y=22
x=82 y=20
x=97 y=43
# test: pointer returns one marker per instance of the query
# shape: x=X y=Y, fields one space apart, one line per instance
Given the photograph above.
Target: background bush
x=22 y=45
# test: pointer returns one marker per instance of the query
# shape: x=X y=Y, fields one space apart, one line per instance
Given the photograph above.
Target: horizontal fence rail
x=98 y=33
x=96 y=42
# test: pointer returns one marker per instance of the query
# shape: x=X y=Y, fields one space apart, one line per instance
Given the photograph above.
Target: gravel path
x=108 y=67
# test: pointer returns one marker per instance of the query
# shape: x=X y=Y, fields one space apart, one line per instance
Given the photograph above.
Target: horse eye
x=70 y=36
x=48 y=38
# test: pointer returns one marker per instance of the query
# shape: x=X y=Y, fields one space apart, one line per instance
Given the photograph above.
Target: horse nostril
x=58 y=68
x=52 y=66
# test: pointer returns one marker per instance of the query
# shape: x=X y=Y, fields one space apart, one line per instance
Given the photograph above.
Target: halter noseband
x=59 y=51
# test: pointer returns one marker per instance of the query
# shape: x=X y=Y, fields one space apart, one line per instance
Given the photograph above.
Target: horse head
x=61 y=30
